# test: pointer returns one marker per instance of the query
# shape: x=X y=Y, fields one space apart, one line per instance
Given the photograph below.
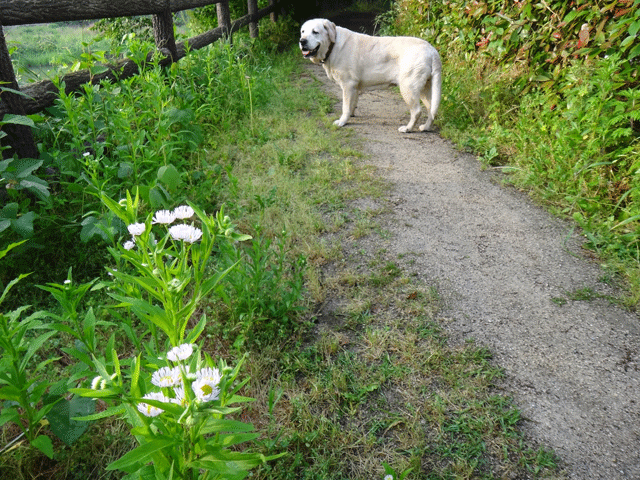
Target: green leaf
x=627 y=41
x=44 y=444
x=156 y=197
x=24 y=225
x=34 y=345
x=16 y=119
x=125 y=170
x=61 y=418
x=137 y=457
x=627 y=221
x=197 y=330
x=17 y=92
x=231 y=439
x=79 y=354
x=10 y=210
x=109 y=412
x=10 y=392
x=3 y=253
x=92 y=226
x=89 y=392
x=9 y=415
x=226 y=462
x=150 y=313
x=89 y=328
x=37 y=187
x=135 y=377
x=169 y=176
x=215 y=425
x=116 y=208
x=4 y=224
x=570 y=16
x=25 y=166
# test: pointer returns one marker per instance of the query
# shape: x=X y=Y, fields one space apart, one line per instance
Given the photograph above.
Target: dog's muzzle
x=304 y=47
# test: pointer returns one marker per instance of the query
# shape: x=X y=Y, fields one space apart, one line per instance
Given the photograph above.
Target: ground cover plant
x=172 y=281
x=547 y=92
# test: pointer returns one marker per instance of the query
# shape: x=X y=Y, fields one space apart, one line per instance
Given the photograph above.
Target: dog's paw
x=340 y=123
x=404 y=129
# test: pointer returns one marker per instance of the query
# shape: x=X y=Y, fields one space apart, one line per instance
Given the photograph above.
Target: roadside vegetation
x=548 y=93
x=165 y=265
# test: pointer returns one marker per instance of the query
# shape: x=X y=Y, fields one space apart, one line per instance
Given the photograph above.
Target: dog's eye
x=315 y=32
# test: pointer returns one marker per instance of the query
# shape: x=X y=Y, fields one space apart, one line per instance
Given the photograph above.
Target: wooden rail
x=36 y=97
x=23 y=12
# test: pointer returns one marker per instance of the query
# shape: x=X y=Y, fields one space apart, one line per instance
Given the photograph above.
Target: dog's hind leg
x=412 y=99
x=426 y=98
x=431 y=98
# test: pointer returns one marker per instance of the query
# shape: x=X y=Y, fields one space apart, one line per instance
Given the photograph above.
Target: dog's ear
x=331 y=29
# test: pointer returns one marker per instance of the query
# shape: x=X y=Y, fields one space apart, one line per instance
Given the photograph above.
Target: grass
x=376 y=381
x=42 y=50
x=365 y=374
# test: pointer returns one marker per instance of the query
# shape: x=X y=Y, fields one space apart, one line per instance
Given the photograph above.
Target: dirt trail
x=500 y=264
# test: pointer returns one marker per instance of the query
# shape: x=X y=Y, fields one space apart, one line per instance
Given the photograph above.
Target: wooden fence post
x=273 y=15
x=224 y=18
x=19 y=137
x=253 y=26
x=163 y=32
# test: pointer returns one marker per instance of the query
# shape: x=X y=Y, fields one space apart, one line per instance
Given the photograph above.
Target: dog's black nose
x=303 y=42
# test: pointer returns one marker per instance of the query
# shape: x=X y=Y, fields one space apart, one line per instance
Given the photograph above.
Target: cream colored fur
x=357 y=61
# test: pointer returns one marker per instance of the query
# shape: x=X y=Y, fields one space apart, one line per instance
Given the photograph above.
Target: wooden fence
x=36 y=97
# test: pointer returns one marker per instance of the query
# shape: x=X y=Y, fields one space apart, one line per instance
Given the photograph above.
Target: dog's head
x=316 y=37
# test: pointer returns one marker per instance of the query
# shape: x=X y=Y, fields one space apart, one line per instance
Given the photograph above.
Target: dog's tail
x=436 y=88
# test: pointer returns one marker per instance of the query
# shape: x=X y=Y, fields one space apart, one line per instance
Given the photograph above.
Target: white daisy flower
x=179 y=397
x=136 y=229
x=388 y=477
x=129 y=245
x=185 y=232
x=166 y=377
x=181 y=352
x=163 y=216
x=149 y=410
x=194 y=235
x=210 y=374
x=183 y=211
x=205 y=390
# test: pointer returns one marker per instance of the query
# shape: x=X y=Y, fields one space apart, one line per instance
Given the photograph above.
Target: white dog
x=357 y=61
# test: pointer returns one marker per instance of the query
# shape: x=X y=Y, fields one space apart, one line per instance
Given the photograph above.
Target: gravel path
x=500 y=264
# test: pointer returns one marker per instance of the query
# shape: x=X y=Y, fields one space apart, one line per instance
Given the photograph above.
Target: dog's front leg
x=349 y=101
